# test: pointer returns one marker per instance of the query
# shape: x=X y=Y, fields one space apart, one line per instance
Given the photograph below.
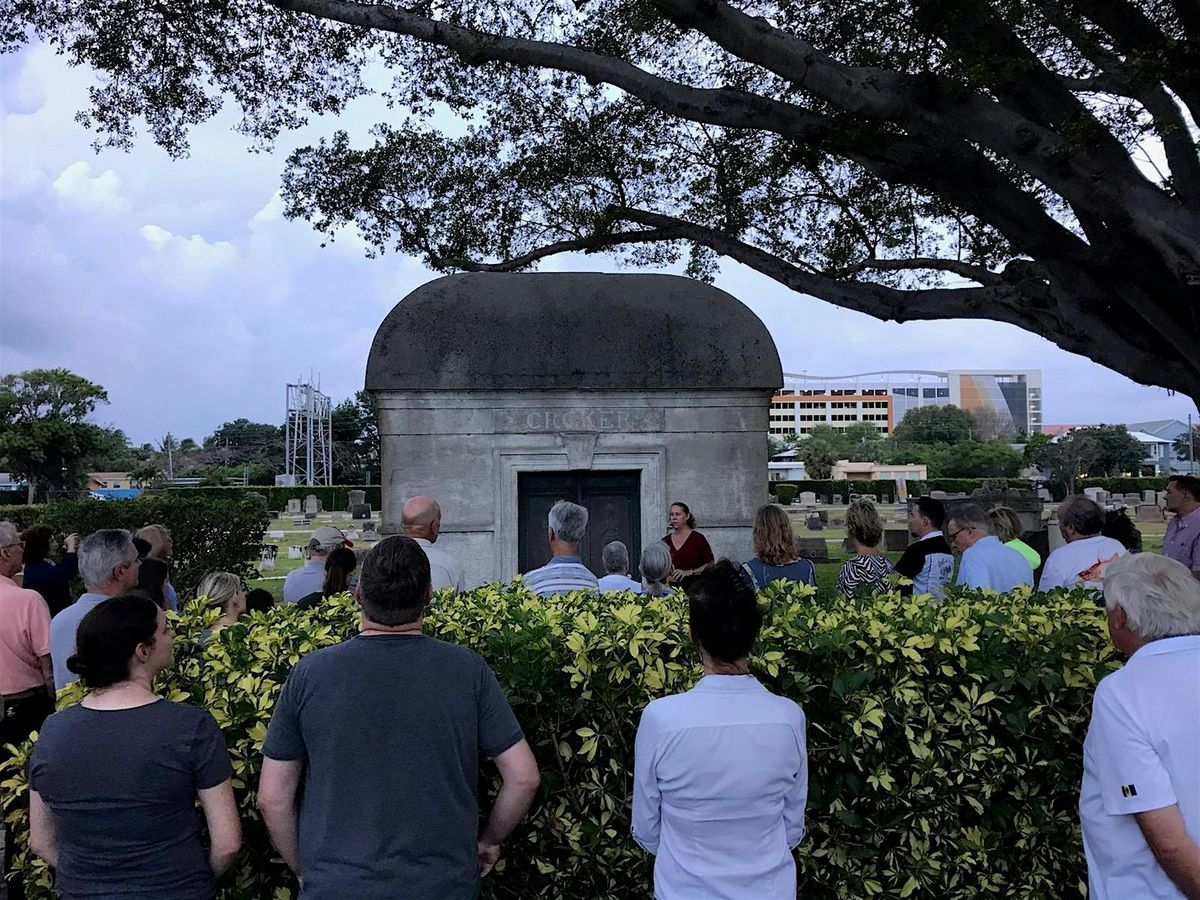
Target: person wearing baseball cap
x=311 y=576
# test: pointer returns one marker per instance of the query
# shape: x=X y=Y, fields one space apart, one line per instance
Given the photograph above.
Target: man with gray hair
x=565 y=571
x=616 y=564
x=108 y=565
x=1086 y=553
x=986 y=563
x=1139 y=803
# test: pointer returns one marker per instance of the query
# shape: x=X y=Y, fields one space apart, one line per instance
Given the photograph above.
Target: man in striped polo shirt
x=565 y=571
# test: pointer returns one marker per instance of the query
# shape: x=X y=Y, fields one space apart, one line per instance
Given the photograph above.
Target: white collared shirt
x=444 y=568
x=1142 y=752
x=719 y=789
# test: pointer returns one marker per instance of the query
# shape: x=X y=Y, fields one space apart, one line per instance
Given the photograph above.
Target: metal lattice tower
x=308 y=438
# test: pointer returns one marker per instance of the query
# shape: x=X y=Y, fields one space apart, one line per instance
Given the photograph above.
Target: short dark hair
x=1189 y=483
x=37 y=544
x=394 y=584
x=1083 y=514
x=109 y=634
x=152 y=580
x=724 y=613
x=259 y=600
x=933 y=510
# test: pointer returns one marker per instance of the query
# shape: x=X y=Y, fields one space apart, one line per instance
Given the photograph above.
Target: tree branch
x=1023 y=298
x=978 y=274
x=590 y=244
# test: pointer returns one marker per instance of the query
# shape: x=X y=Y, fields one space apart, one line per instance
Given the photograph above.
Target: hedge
x=843 y=488
x=1123 y=485
x=944 y=741
x=335 y=498
x=222 y=532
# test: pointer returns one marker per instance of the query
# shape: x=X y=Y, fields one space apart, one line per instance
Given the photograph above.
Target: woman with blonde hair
x=1007 y=526
x=868 y=571
x=775 y=557
x=223 y=591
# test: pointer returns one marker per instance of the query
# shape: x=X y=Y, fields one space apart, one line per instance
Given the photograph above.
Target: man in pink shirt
x=26 y=676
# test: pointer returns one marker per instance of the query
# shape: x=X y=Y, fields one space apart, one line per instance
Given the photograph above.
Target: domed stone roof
x=571 y=331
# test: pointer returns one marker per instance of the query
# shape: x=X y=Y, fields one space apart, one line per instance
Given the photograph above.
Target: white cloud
x=101 y=193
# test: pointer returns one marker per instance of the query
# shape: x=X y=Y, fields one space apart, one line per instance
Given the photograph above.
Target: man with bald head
x=421 y=520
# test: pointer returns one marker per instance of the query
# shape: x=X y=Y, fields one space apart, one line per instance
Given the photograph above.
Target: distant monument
x=500 y=394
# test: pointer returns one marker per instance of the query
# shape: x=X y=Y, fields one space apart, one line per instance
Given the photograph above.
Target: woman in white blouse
x=721 y=771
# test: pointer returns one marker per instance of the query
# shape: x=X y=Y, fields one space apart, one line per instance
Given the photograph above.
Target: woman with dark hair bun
x=114 y=779
x=690 y=552
x=339 y=566
x=42 y=574
x=721 y=771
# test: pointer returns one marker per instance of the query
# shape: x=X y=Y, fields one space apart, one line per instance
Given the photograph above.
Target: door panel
x=614 y=514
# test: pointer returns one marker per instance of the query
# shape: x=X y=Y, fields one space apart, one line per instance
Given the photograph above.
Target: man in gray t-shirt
x=386 y=730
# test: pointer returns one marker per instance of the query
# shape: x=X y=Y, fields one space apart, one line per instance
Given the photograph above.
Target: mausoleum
x=500 y=394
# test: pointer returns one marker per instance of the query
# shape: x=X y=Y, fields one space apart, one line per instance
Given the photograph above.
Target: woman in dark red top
x=690 y=553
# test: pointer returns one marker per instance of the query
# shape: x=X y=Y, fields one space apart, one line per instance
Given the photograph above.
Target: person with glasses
x=985 y=563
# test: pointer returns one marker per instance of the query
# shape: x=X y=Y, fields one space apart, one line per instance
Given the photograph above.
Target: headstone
x=1092 y=493
x=1044 y=494
x=885 y=499
x=1102 y=496
x=815 y=549
x=813 y=522
x=837 y=499
x=1149 y=513
x=294 y=507
x=369 y=530
x=351 y=534
x=267 y=556
x=1133 y=499
x=355 y=497
x=295 y=552
x=275 y=534
x=938 y=495
x=360 y=511
x=895 y=539
x=312 y=505
x=808 y=498
x=1150 y=497
x=823 y=515
x=1162 y=499
x=299 y=523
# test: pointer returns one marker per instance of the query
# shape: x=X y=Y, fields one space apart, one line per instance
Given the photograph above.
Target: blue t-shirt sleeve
x=498 y=727
x=285 y=741
x=210 y=756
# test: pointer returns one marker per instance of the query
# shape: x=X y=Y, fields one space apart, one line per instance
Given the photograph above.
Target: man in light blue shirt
x=986 y=563
x=616 y=564
x=565 y=571
x=108 y=565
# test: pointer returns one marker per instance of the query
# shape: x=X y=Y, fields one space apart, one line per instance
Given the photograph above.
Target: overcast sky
x=179 y=287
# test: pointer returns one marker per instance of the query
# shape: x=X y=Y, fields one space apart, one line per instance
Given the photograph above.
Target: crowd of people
x=717 y=826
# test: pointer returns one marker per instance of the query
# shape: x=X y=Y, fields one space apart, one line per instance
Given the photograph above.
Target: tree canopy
x=1028 y=162
x=44 y=435
x=934 y=425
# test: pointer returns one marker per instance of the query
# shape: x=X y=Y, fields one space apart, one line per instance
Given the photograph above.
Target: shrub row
x=944 y=741
x=221 y=532
x=334 y=498
x=1123 y=485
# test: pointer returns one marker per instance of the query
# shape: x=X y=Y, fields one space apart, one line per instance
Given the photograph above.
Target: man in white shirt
x=421 y=520
x=1083 y=559
x=615 y=556
x=1140 y=799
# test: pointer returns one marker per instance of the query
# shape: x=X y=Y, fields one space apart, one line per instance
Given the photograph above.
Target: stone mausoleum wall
x=481 y=377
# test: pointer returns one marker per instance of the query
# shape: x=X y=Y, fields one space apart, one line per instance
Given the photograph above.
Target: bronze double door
x=614 y=508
